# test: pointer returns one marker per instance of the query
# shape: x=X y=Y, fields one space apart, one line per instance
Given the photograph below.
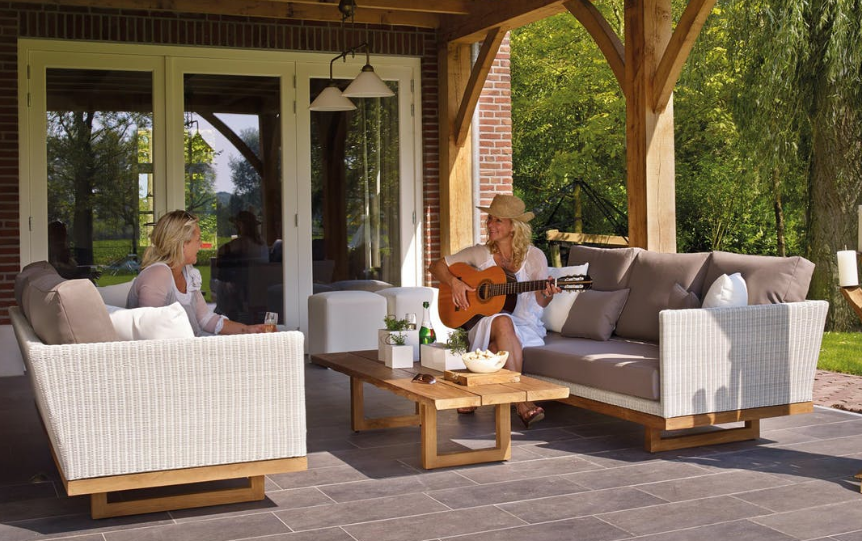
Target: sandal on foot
x=533 y=415
x=466 y=410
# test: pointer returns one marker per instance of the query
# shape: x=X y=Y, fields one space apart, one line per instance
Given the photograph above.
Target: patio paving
x=577 y=475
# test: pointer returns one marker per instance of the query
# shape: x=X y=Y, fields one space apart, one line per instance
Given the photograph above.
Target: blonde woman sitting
x=168 y=276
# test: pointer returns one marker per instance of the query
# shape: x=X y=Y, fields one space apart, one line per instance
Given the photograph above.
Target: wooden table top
x=442 y=395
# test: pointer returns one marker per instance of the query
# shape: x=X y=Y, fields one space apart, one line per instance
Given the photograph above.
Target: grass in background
x=841 y=352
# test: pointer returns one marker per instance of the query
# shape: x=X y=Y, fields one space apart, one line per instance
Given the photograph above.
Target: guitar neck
x=513 y=288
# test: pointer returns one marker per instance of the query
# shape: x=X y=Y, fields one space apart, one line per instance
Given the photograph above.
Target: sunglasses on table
x=427 y=379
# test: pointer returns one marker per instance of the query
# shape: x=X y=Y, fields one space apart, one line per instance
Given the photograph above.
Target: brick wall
x=128 y=26
x=495 y=130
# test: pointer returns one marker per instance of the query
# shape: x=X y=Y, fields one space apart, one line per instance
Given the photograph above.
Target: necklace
x=506 y=261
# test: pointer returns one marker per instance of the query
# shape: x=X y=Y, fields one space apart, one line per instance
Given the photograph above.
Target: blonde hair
x=169 y=236
x=522 y=236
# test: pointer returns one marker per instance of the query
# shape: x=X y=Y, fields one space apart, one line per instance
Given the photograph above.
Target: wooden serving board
x=470 y=379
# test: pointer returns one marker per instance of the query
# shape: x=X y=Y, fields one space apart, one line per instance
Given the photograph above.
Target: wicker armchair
x=149 y=413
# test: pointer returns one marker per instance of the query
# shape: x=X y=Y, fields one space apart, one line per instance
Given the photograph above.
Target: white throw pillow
x=556 y=313
x=116 y=294
x=727 y=291
x=151 y=323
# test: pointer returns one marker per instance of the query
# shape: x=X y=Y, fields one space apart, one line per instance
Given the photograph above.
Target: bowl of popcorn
x=484 y=362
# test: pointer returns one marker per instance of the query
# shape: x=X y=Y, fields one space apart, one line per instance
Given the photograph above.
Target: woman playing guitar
x=509 y=246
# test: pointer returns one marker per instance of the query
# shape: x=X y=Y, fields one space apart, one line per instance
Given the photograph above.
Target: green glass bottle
x=426 y=331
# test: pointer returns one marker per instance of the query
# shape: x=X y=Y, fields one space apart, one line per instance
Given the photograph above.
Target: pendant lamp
x=366 y=85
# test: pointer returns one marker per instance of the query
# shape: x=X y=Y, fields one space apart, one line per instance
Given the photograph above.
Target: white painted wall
x=11 y=363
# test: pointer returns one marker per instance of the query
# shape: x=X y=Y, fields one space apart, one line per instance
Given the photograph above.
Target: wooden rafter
x=269 y=9
x=678 y=49
x=488 y=15
x=608 y=41
x=235 y=140
x=449 y=7
x=478 y=75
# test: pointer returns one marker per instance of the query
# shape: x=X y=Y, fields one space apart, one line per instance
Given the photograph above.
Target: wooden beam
x=234 y=139
x=267 y=9
x=678 y=49
x=487 y=15
x=649 y=133
x=456 y=179
x=585 y=238
x=449 y=7
x=478 y=76
x=609 y=43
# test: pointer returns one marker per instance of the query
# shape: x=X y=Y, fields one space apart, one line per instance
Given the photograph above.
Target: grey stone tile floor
x=577 y=475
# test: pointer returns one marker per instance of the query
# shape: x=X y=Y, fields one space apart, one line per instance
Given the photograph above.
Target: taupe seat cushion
x=769 y=279
x=621 y=366
x=653 y=278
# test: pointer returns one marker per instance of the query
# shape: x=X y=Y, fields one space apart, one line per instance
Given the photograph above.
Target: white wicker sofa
x=123 y=415
x=671 y=365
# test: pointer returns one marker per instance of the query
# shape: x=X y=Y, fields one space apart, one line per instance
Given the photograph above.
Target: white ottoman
x=401 y=300
x=344 y=321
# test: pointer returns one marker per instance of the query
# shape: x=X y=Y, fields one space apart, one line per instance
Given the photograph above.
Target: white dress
x=527 y=315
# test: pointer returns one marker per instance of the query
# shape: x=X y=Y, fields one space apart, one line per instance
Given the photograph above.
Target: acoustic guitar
x=496 y=291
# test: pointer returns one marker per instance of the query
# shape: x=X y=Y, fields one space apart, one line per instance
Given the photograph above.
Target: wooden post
x=456 y=181
x=649 y=133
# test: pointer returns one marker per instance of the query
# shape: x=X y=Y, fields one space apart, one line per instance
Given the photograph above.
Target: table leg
x=358 y=421
x=432 y=459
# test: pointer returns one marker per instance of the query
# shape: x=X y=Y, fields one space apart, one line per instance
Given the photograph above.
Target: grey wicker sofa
x=672 y=366
x=123 y=415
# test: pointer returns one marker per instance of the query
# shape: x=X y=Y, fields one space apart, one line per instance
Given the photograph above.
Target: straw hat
x=508 y=206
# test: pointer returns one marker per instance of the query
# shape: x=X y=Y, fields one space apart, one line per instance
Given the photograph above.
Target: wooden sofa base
x=99 y=488
x=655 y=441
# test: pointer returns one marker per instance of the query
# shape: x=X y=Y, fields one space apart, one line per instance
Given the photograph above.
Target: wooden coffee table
x=363 y=367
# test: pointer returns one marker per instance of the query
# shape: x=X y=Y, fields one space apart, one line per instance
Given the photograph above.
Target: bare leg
x=504 y=338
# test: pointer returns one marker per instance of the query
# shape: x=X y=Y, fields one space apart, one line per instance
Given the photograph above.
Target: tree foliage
x=768 y=124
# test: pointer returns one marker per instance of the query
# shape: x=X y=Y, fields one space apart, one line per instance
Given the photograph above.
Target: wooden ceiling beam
x=487 y=15
x=448 y=7
x=608 y=41
x=267 y=9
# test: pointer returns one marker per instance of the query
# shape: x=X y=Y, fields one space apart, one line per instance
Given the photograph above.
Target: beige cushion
x=151 y=322
x=617 y=365
x=68 y=312
x=652 y=280
x=557 y=311
x=594 y=314
x=33 y=270
x=609 y=267
x=769 y=279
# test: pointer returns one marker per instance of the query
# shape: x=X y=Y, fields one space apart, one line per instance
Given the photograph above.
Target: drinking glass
x=411 y=321
x=270 y=322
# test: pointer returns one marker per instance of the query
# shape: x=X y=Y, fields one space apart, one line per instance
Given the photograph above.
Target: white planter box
x=437 y=357
x=398 y=356
x=412 y=340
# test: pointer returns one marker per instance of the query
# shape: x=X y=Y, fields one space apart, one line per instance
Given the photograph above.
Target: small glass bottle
x=426 y=332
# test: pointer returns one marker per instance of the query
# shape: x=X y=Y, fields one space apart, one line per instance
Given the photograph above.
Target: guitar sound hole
x=483 y=291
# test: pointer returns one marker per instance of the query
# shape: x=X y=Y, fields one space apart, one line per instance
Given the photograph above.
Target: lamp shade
x=367 y=85
x=331 y=99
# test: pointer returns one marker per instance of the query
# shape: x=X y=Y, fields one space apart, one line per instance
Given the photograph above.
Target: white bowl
x=480 y=365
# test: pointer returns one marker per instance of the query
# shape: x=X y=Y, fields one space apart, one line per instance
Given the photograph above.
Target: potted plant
x=392 y=326
x=397 y=353
x=446 y=356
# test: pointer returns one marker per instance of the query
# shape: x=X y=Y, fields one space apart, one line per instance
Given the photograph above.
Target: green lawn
x=841 y=352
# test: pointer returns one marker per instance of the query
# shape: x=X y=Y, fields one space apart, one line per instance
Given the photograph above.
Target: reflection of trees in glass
x=93 y=176
x=245 y=178
x=200 y=175
x=371 y=188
